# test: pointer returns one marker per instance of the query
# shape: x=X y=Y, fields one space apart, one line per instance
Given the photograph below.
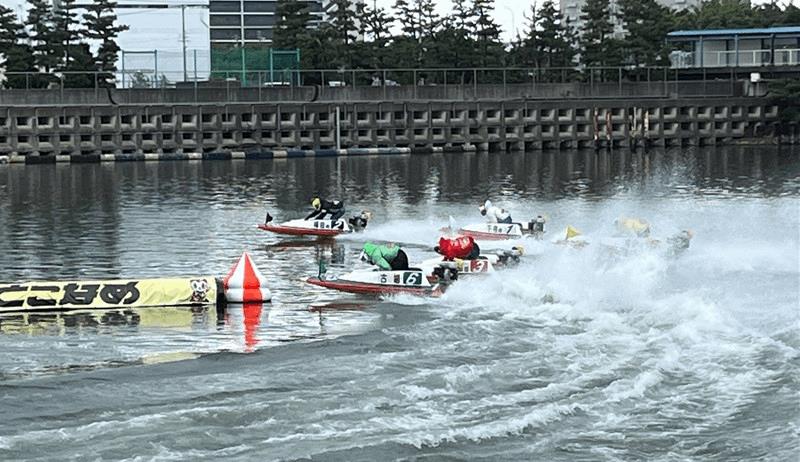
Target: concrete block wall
x=487 y=125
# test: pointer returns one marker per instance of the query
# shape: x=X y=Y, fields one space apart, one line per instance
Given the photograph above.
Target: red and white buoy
x=244 y=283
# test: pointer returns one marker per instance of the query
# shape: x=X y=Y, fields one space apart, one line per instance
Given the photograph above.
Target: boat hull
x=366 y=288
x=295 y=231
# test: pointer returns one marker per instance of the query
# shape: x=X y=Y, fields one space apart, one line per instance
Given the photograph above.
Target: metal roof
x=715 y=32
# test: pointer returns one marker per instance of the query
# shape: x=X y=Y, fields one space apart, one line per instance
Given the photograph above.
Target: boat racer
x=323 y=207
x=460 y=247
x=389 y=257
x=495 y=214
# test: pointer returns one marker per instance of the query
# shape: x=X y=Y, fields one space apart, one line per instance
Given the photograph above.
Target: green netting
x=254 y=65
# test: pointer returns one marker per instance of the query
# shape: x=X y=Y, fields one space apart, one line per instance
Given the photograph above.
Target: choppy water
x=574 y=355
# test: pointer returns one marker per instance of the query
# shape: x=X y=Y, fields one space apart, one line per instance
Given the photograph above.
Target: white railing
x=747 y=58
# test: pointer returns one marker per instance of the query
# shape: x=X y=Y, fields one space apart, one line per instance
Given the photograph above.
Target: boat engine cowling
x=359 y=222
x=446 y=271
x=536 y=225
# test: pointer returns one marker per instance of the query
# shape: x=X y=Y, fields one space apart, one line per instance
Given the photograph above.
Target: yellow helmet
x=316 y=203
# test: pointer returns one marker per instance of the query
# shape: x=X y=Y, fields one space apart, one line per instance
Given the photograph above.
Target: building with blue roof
x=728 y=48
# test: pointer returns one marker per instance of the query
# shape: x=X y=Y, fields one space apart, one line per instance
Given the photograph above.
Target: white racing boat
x=414 y=281
x=484 y=264
x=319 y=228
x=431 y=278
x=504 y=231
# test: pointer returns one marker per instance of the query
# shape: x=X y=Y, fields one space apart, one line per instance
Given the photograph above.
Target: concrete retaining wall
x=94 y=130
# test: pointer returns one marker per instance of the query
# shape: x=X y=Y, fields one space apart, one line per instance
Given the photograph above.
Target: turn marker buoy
x=244 y=283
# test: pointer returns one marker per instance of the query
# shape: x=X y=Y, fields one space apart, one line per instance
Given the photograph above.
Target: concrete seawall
x=163 y=130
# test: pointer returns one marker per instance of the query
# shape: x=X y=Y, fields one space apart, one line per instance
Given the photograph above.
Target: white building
x=571 y=11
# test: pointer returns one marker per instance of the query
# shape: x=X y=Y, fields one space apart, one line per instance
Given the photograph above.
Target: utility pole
x=183 y=38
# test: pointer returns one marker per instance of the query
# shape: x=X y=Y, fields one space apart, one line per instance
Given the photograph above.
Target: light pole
x=182 y=6
x=513 y=21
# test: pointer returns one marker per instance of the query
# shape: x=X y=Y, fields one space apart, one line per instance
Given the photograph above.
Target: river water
x=573 y=355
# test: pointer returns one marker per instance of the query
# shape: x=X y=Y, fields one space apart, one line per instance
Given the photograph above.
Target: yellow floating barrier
x=134 y=293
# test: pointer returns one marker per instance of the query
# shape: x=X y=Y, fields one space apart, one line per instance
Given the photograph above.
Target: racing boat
x=319 y=228
x=485 y=263
x=503 y=231
x=370 y=281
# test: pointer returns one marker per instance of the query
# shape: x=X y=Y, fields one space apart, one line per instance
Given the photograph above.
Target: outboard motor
x=446 y=272
x=359 y=222
x=536 y=226
x=268 y=219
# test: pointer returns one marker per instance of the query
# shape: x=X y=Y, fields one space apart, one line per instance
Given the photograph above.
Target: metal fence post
x=505 y=87
x=475 y=83
x=619 y=77
x=123 y=68
x=704 y=82
x=384 y=84
x=414 y=77
x=155 y=67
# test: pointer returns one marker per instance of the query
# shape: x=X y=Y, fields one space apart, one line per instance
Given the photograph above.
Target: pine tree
x=429 y=20
x=409 y=19
x=15 y=54
x=453 y=46
x=43 y=34
x=556 y=41
x=487 y=34
x=66 y=33
x=420 y=23
x=375 y=24
x=597 y=31
x=80 y=60
x=342 y=33
x=647 y=24
x=99 y=25
x=525 y=49
x=291 y=30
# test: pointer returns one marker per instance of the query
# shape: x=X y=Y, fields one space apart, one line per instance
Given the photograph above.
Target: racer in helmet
x=389 y=257
x=460 y=247
x=323 y=207
x=495 y=214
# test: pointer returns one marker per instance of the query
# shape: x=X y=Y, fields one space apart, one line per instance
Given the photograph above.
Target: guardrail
x=732 y=58
x=363 y=85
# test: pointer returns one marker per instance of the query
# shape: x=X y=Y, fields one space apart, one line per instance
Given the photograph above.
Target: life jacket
x=456 y=247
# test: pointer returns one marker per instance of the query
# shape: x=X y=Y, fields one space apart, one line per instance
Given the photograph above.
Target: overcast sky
x=161 y=29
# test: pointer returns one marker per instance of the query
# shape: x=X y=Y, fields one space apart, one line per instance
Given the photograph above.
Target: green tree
x=524 y=49
x=66 y=32
x=453 y=45
x=42 y=35
x=291 y=30
x=80 y=60
x=598 y=46
x=487 y=34
x=342 y=32
x=419 y=24
x=99 y=24
x=376 y=26
x=647 y=24
x=556 y=41
x=15 y=54
x=720 y=14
